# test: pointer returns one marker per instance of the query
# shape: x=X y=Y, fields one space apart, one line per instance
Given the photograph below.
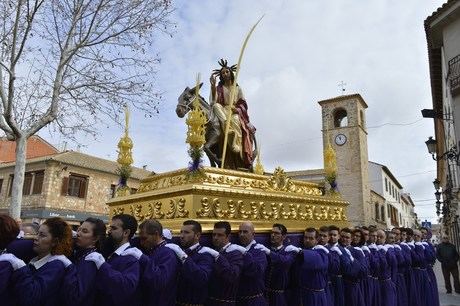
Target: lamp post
x=451 y=154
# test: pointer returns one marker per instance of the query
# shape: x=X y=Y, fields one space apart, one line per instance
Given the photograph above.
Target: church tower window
x=340 y=118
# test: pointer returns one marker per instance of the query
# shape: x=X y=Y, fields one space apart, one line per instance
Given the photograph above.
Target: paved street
x=445 y=299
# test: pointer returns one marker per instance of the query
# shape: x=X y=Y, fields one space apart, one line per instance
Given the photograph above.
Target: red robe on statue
x=247 y=129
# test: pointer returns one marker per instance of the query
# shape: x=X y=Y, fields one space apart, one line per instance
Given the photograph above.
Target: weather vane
x=342 y=86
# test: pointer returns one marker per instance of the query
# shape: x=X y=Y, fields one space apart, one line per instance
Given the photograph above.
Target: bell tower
x=344 y=122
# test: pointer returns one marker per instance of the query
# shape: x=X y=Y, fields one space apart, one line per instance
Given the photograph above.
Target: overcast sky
x=297 y=56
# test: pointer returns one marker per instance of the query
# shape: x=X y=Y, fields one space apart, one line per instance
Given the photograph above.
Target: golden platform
x=234 y=196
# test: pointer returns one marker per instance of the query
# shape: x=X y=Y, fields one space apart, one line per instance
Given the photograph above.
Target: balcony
x=454 y=75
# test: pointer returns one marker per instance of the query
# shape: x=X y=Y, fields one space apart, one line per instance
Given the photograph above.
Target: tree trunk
x=18 y=181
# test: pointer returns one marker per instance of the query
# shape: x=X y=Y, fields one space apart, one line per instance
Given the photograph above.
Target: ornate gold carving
x=254 y=210
x=338 y=214
x=172 y=210
x=153 y=210
x=279 y=181
x=181 y=211
x=205 y=210
x=118 y=211
x=323 y=213
x=136 y=211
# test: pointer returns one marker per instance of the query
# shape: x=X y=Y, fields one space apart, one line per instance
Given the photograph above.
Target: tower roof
x=344 y=97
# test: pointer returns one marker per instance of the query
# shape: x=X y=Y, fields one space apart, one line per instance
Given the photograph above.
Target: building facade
x=71 y=185
x=442 y=30
x=396 y=211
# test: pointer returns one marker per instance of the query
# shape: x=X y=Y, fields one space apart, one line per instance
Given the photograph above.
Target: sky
x=297 y=56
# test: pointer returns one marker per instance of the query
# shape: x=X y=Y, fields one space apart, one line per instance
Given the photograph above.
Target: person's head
x=246 y=233
x=121 y=229
x=372 y=236
x=391 y=237
x=190 y=233
x=9 y=230
x=417 y=236
x=323 y=235
x=150 y=233
x=410 y=234
x=310 y=237
x=358 y=238
x=345 y=237
x=54 y=237
x=334 y=234
x=365 y=232
x=221 y=234
x=30 y=229
x=381 y=237
x=278 y=235
x=403 y=236
x=445 y=239
x=424 y=232
x=91 y=234
x=397 y=232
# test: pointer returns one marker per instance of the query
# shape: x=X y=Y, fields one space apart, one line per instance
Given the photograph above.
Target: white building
x=443 y=39
x=398 y=209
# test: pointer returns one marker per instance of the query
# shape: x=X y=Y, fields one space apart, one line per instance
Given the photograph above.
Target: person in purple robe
x=39 y=282
x=430 y=257
x=357 y=271
x=159 y=265
x=118 y=278
x=279 y=263
x=196 y=269
x=251 y=289
x=421 y=276
x=374 y=266
x=407 y=251
x=9 y=230
x=79 y=285
x=386 y=283
x=362 y=254
x=223 y=284
x=344 y=265
x=334 y=262
x=313 y=265
x=400 y=282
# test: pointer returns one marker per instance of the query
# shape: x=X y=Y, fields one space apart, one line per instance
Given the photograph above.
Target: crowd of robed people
x=359 y=266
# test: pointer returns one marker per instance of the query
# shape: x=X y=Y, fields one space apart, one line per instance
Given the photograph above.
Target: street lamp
x=451 y=154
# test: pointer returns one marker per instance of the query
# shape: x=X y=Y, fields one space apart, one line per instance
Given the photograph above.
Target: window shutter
x=82 y=191
x=65 y=185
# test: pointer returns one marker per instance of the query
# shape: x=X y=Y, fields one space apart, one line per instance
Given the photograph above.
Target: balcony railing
x=454 y=75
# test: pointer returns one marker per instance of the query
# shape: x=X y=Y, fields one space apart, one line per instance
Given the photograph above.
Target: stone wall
x=97 y=194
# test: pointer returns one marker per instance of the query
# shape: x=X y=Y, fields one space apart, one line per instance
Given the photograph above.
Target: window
x=33 y=183
x=74 y=186
x=113 y=191
x=382 y=213
x=377 y=211
x=38 y=182
x=1 y=185
x=386 y=184
x=340 y=118
x=361 y=112
x=27 y=183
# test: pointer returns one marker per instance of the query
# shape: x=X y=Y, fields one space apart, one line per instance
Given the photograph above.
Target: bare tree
x=74 y=63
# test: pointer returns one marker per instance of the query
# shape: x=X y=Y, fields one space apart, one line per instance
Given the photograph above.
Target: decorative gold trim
x=234 y=196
